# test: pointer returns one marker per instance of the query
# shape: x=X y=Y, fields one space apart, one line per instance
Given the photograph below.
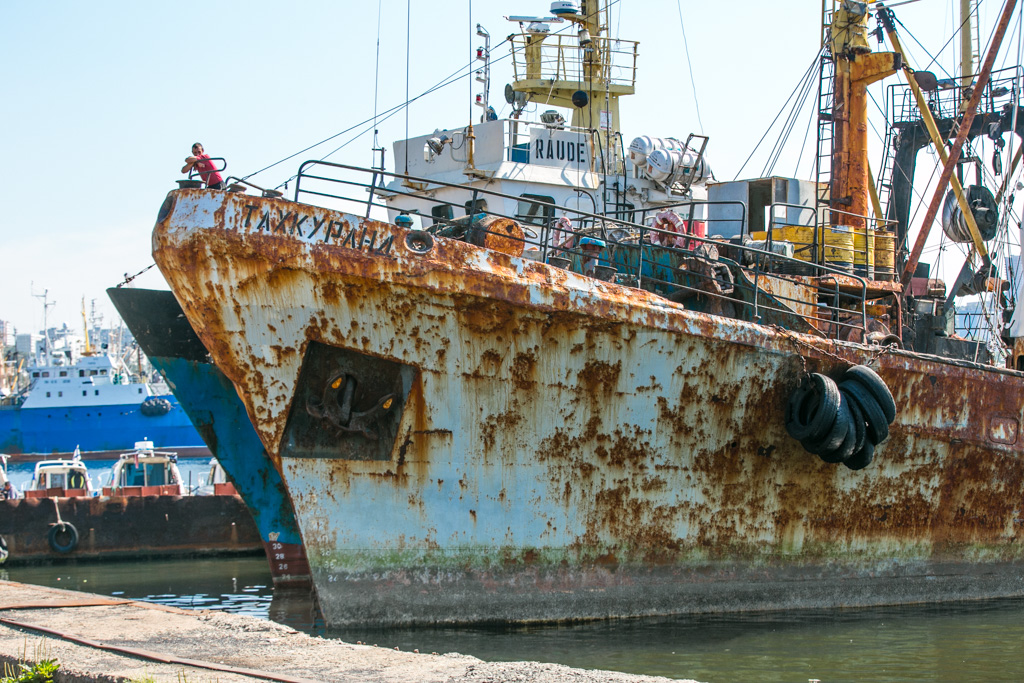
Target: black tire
x=835 y=437
x=63 y=537
x=861 y=458
x=860 y=428
x=3 y=550
x=828 y=407
x=848 y=445
x=876 y=385
x=794 y=408
x=874 y=419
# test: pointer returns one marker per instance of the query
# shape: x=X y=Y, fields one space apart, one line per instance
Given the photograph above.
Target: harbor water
x=977 y=641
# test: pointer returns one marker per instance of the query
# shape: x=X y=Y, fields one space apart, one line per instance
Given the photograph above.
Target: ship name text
x=311 y=228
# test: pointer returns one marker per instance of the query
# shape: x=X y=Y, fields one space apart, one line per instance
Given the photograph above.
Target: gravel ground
x=232 y=640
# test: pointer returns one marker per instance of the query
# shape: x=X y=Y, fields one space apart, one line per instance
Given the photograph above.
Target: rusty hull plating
x=556 y=447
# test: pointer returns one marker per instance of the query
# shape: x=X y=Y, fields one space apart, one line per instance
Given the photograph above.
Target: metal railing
x=559 y=57
x=681 y=267
x=947 y=101
x=193 y=172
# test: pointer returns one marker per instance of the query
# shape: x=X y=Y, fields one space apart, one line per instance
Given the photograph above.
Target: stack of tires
x=155 y=407
x=841 y=422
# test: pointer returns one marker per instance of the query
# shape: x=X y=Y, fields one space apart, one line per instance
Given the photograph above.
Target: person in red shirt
x=207 y=169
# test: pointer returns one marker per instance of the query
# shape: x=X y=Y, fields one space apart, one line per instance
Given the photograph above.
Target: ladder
x=826 y=133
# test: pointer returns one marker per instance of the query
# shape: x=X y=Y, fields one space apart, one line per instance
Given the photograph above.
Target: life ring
x=63 y=537
x=3 y=550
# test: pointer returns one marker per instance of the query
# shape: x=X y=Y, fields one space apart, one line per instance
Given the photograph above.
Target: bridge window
x=528 y=211
x=442 y=212
x=63 y=373
x=480 y=206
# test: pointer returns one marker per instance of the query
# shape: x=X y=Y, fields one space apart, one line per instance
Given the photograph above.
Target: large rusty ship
x=540 y=377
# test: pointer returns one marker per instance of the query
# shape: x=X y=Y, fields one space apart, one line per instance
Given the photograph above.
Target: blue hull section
x=93 y=428
x=210 y=401
x=209 y=398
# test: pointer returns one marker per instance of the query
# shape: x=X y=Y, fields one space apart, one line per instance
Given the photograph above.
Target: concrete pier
x=97 y=638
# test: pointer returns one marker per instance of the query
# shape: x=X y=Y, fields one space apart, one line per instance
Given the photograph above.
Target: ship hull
x=208 y=398
x=60 y=430
x=559 y=448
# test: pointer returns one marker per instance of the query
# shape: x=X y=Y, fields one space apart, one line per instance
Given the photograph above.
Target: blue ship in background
x=91 y=404
x=210 y=401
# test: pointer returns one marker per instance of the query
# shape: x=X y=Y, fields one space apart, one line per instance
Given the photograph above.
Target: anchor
x=335 y=407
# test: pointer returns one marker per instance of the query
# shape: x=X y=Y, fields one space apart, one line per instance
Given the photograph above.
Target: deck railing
x=559 y=57
x=676 y=266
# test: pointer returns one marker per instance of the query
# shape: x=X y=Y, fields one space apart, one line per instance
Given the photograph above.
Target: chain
x=882 y=350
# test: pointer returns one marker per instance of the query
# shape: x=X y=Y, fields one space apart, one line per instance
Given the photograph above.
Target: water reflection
x=967 y=641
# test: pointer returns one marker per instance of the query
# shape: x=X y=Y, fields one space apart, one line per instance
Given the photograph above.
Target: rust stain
x=715 y=471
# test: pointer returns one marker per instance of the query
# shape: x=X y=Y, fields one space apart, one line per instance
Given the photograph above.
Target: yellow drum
x=885 y=255
x=837 y=243
x=864 y=252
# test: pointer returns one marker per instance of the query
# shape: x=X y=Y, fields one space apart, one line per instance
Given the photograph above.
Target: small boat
x=164 y=334
x=3 y=469
x=145 y=472
x=60 y=479
x=216 y=482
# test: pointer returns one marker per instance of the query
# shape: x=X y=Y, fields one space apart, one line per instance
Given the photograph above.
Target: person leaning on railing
x=207 y=171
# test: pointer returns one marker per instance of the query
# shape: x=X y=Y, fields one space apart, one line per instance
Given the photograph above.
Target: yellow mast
x=85 y=330
x=855 y=68
x=558 y=66
x=966 y=48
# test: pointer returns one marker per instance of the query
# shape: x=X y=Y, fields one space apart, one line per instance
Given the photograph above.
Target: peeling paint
x=572 y=449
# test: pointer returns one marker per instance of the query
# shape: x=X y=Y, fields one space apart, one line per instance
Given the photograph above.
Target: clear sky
x=102 y=101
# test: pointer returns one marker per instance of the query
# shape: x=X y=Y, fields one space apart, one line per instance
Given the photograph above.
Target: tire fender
x=874 y=417
x=63 y=537
x=876 y=387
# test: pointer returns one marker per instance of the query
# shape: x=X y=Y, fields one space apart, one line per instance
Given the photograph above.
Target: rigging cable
x=408 y=25
x=454 y=77
x=814 y=63
x=376 y=85
x=689 y=65
x=787 y=127
x=941 y=49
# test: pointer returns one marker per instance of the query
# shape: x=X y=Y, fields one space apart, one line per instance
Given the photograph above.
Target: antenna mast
x=47 y=305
